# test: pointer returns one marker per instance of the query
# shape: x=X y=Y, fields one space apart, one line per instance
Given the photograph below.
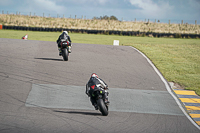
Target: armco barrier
x=107 y=32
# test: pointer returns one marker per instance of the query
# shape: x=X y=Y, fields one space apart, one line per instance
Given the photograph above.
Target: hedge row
x=108 y=32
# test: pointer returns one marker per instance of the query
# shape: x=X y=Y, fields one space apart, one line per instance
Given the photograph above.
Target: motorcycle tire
x=65 y=54
x=102 y=107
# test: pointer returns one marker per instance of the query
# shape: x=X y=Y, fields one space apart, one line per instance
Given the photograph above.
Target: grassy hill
x=96 y=24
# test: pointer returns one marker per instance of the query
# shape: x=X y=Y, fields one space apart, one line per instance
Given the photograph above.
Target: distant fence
x=106 y=32
x=84 y=17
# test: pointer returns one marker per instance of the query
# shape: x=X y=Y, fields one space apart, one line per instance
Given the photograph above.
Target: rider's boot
x=96 y=106
x=106 y=101
x=106 y=97
x=60 y=52
x=70 y=49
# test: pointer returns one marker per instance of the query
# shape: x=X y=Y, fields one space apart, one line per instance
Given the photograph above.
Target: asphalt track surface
x=39 y=92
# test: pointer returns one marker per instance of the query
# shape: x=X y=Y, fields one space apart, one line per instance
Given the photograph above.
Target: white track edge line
x=168 y=88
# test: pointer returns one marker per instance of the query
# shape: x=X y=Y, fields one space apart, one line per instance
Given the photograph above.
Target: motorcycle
x=65 y=49
x=99 y=95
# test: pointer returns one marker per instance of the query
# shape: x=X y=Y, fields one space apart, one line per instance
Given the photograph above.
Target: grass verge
x=177 y=59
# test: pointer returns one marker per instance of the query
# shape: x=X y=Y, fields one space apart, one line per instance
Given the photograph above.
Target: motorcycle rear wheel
x=102 y=107
x=65 y=54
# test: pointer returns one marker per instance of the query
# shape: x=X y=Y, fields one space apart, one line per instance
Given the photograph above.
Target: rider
x=65 y=36
x=94 y=82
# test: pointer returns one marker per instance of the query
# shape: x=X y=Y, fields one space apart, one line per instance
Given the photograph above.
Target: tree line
x=106 y=18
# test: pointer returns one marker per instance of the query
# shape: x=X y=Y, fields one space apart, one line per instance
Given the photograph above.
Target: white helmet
x=65 y=32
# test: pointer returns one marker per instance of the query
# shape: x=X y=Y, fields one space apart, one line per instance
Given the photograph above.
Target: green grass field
x=177 y=59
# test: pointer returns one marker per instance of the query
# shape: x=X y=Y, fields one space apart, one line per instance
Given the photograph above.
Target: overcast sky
x=175 y=10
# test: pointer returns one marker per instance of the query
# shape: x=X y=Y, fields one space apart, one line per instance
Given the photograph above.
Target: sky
x=126 y=10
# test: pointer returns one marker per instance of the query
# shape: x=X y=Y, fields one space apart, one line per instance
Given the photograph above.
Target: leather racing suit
x=65 y=37
x=96 y=83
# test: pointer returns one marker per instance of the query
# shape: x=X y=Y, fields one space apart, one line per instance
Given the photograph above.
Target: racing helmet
x=65 y=32
x=94 y=75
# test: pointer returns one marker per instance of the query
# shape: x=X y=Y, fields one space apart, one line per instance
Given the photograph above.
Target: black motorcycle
x=99 y=95
x=65 y=49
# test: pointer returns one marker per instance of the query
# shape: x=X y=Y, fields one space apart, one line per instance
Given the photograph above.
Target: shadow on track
x=78 y=112
x=49 y=59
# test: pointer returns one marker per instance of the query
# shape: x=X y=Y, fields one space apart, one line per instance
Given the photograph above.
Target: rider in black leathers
x=96 y=83
x=65 y=36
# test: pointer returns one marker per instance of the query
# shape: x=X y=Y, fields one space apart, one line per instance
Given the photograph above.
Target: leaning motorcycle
x=65 y=49
x=99 y=95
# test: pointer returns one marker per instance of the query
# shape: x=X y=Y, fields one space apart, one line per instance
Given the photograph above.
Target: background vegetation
x=177 y=59
x=106 y=18
x=102 y=23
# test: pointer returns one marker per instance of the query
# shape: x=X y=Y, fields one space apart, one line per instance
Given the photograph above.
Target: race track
x=39 y=92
